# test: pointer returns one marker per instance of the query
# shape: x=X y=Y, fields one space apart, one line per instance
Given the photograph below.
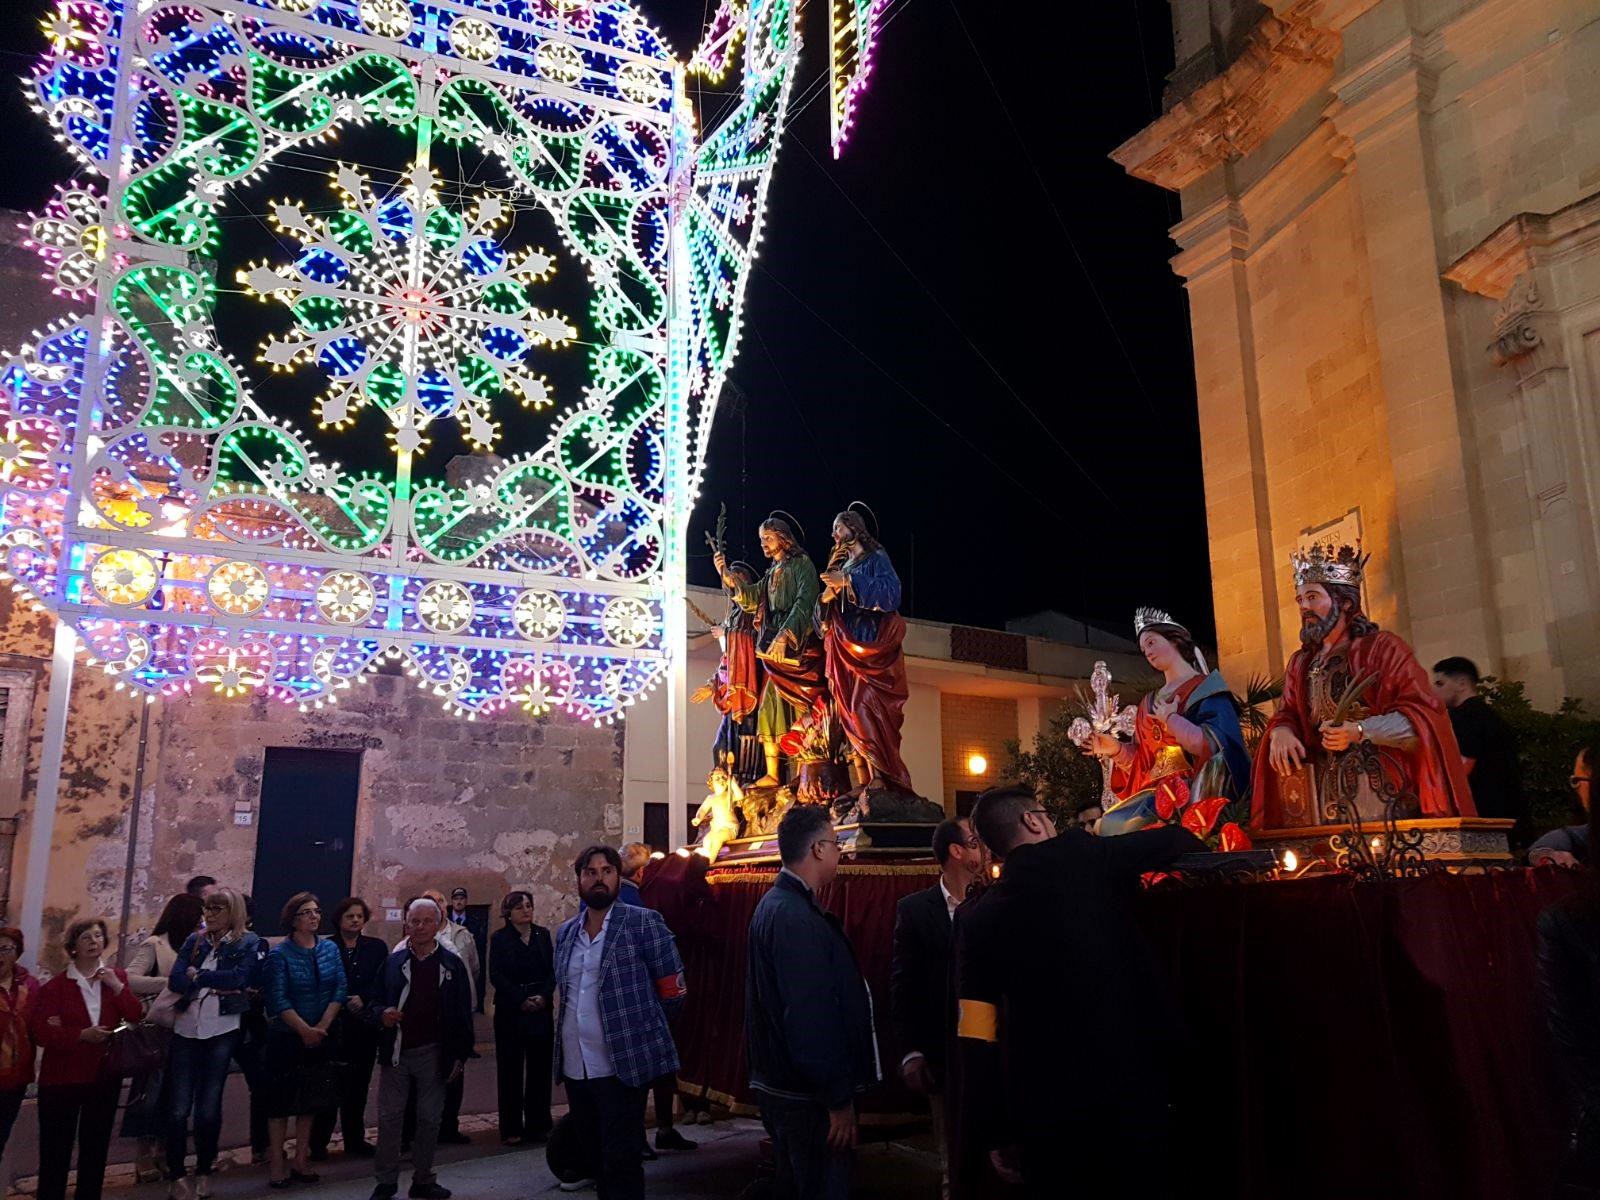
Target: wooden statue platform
x=1455 y=843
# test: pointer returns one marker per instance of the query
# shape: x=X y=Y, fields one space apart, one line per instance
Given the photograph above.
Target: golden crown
x=1325 y=564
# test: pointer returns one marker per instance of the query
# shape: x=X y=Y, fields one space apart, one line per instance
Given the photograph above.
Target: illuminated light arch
x=195 y=538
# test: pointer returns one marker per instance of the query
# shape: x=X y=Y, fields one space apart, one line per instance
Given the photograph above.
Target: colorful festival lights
x=194 y=534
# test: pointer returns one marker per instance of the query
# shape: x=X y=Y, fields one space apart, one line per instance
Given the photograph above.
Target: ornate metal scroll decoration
x=1387 y=851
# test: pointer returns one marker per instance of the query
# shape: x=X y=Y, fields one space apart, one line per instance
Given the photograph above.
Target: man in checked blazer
x=619 y=977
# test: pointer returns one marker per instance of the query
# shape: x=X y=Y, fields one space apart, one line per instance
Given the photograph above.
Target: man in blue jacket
x=807 y=1017
x=619 y=977
x=424 y=1007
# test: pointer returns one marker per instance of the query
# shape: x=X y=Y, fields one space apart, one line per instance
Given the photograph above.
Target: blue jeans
x=196 y=1070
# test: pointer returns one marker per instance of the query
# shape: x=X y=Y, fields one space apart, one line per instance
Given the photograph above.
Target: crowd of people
x=308 y=1018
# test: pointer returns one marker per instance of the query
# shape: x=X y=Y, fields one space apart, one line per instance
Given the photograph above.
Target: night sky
x=969 y=322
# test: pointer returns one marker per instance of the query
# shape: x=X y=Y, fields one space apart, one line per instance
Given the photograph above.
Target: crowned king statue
x=1187 y=762
x=1351 y=684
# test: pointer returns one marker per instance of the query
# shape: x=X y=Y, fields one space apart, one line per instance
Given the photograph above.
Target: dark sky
x=969 y=322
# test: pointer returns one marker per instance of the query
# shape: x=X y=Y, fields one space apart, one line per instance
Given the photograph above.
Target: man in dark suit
x=920 y=1004
x=1055 y=935
x=478 y=927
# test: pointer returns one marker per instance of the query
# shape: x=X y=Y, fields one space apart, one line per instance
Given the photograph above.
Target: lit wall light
x=977 y=764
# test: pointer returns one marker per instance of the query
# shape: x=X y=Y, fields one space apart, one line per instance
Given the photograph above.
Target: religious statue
x=735 y=686
x=862 y=632
x=1354 y=697
x=718 y=813
x=783 y=605
x=1187 y=762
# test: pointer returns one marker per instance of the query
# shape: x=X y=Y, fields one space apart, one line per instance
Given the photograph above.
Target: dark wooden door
x=306 y=838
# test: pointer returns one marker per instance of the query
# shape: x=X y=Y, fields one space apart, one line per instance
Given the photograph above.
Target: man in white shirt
x=919 y=1001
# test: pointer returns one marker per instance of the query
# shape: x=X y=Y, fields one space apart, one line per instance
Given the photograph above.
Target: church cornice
x=1288 y=61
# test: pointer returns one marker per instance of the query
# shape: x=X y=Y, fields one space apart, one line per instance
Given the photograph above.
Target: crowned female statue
x=1187 y=761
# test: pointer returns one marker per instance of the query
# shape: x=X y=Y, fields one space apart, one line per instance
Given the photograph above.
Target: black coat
x=807 y=1015
x=1569 y=975
x=518 y=971
x=363 y=967
x=455 y=1001
x=920 y=1004
x=1064 y=1016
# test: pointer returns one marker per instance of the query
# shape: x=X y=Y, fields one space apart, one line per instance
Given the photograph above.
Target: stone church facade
x=1391 y=243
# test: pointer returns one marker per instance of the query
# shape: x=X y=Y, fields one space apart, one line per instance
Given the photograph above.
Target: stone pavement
x=725 y=1167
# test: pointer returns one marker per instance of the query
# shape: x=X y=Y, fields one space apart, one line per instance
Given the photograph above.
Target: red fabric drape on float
x=743 y=686
x=869 y=688
x=1349 y=1040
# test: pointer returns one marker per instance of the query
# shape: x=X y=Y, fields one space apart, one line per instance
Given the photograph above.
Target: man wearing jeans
x=424 y=1007
x=619 y=977
x=807 y=1017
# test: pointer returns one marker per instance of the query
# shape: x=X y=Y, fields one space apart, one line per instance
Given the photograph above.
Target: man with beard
x=784 y=602
x=1351 y=683
x=862 y=636
x=619 y=977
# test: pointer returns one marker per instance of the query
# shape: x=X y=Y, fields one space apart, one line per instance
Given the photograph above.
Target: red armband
x=671 y=987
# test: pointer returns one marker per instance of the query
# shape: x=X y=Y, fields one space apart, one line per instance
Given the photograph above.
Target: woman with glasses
x=363 y=958
x=212 y=975
x=145 y=1116
x=1569 y=845
x=1569 y=975
x=304 y=987
x=18 y=992
x=522 y=970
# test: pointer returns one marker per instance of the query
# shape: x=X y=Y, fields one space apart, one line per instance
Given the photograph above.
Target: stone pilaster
x=1443 y=587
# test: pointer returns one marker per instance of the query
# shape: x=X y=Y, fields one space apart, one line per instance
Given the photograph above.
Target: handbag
x=164 y=1009
x=134 y=1049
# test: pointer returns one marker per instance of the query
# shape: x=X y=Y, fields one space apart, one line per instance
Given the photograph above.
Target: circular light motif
x=239 y=589
x=627 y=622
x=641 y=83
x=558 y=62
x=475 y=40
x=386 y=18
x=613 y=679
x=539 y=616
x=445 y=606
x=124 y=577
x=346 y=598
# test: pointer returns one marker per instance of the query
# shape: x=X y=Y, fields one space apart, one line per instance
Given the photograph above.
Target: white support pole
x=46 y=797
x=677 y=504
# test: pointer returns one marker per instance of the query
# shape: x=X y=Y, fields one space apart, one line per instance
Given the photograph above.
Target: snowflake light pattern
x=410 y=306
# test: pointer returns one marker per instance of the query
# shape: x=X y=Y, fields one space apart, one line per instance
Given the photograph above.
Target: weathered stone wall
x=488 y=805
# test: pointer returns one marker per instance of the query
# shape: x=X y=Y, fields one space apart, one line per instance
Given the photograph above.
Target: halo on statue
x=745 y=569
x=863 y=510
x=797 y=530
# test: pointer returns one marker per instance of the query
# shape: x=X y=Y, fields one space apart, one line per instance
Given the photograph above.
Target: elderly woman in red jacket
x=73 y=1019
x=18 y=992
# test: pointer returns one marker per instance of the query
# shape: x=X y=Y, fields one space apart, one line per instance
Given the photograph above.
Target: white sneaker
x=202 y=1187
x=577 y=1185
x=179 y=1190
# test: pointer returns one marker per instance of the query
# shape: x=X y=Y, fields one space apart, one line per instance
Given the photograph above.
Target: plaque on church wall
x=1341 y=531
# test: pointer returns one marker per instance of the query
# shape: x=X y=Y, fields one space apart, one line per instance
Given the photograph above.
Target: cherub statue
x=719 y=813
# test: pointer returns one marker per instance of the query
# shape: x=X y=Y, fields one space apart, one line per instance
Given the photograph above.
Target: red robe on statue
x=868 y=683
x=1434 y=770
